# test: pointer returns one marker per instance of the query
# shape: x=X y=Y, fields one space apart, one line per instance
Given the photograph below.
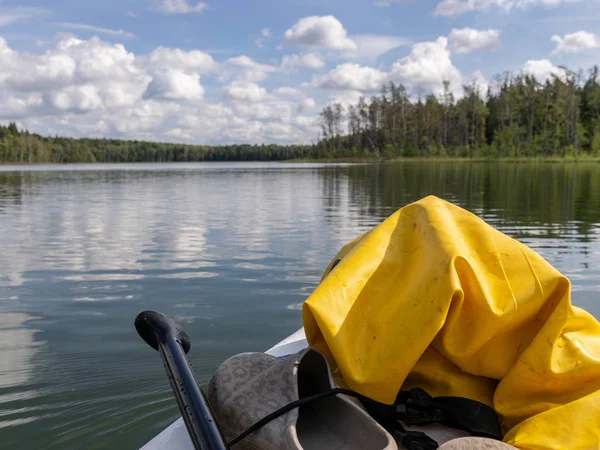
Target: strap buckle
x=417 y=408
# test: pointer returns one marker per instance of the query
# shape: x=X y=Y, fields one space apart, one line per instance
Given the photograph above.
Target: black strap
x=417 y=407
x=412 y=440
x=387 y=417
x=298 y=403
x=414 y=407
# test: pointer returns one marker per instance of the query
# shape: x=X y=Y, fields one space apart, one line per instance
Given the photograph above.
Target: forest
x=22 y=147
x=517 y=116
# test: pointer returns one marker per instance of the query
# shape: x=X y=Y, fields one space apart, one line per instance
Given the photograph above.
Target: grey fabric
x=249 y=386
x=475 y=443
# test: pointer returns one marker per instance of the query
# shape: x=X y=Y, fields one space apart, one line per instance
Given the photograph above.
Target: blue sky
x=260 y=70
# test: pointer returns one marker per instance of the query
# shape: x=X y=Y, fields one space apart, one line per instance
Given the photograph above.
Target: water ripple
x=229 y=250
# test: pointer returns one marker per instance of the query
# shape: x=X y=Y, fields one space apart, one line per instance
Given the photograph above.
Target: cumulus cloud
x=248 y=69
x=265 y=110
x=23 y=106
x=427 y=67
x=319 y=32
x=307 y=61
x=77 y=77
x=575 y=42
x=480 y=82
x=175 y=58
x=456 y=7
x=346 y=98
x=111 y=69
x=370 y=46
x=289 y=91
x=95 y=88
x=173 y=84
x=327 y=32
x=244 y=91
x=177 y=6
x=543 y=70
x=307 y=104
x=77 y=99
x=467 y=40
x=126 y=97
x=351 y=76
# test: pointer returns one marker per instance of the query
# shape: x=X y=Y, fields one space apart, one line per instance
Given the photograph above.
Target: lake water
x=229 y=250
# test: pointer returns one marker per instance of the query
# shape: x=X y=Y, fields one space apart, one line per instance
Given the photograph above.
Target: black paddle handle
x=165 y=335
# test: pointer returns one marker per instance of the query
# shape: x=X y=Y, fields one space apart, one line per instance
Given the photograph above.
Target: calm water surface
x=229 y=250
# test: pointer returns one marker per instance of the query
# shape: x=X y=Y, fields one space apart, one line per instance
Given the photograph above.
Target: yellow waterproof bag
x=436 y=298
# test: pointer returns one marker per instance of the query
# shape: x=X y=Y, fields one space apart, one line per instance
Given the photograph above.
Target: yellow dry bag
x=436 y=298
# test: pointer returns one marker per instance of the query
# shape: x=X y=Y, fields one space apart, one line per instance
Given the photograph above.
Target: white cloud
x=77 y=99
x=427 y=67
x=289 y=92
x=177 y=6
x=481 y=83
x=110 y=68
x=307 y=61
x=94 y=88
x=575 y=42
x=265 y=33
x=168 y=121
x=173 y=84
x=307 y=104
x=17 y=107
x=50 y=71
x=456 y=7
x=370 y=46
x=76 y=87
x=346 y=98
x=175 y=58
x=248 y=69
x=467 y=40
x=244 y=91
x=9 y=16
x=543 y=70
x=98 y=60
x=351 y=76
x=265 y=110
x=74 y=78
x=100 y=30
x=319 y=32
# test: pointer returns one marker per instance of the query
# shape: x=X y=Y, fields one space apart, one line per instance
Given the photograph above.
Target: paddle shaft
x=194 y=408
x=171 y=341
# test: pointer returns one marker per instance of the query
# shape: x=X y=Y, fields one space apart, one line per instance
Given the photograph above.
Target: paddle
x=171 y=341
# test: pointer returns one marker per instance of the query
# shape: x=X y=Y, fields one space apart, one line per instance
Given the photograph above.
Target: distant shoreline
x=549 y=159
x=541 y=159
x=22 y=148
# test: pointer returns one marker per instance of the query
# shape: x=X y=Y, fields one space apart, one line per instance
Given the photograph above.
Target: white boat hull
x=176 y=437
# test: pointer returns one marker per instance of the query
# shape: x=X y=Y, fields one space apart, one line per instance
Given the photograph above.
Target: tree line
x=516 y=116
x=22 y=147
